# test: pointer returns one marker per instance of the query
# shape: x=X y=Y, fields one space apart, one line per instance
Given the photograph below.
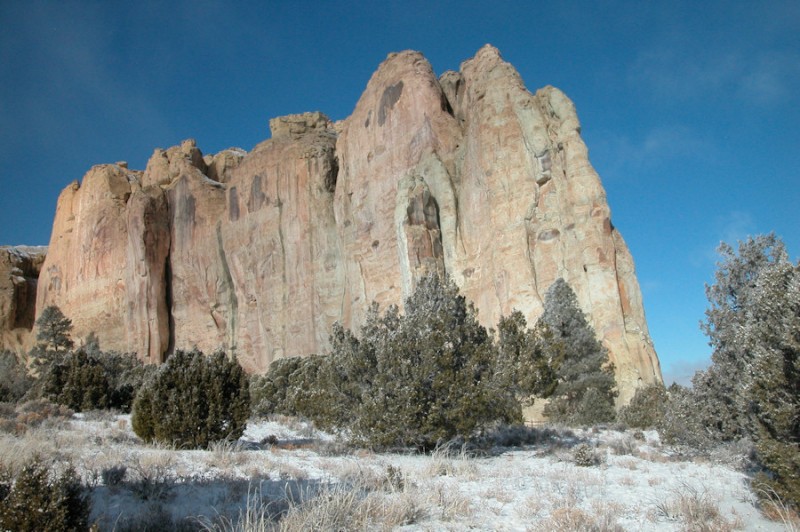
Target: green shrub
x=78 y=382
x=126 y=374
x=84 y=381
x=193 y=400
x=291 y=387
x=647 y=408
x=37 y=499
x=523 y=359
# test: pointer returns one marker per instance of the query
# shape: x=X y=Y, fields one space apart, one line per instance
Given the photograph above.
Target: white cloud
x=729 y=228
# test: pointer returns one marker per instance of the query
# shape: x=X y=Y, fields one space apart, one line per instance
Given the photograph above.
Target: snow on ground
x=636 y=483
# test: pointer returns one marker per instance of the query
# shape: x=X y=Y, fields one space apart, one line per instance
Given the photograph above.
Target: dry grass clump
x=152 y=475
x=356 y=474
x=585 y=455
x=339 y=507
x=571 y=519
x=450 y=461
x=18 y=419
x=696 y=509
x=776 y=509
x=227 y=454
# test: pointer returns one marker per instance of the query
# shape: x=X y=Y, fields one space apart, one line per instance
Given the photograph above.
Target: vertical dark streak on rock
x=233 y=301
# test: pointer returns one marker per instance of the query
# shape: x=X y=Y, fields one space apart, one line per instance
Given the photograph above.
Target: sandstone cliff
x=19 y=271
x=468 y=174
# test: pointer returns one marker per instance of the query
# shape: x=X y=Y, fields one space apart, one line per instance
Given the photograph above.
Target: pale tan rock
x=400 y=129
x=540 y=213
x=281 y=247
x=165 y=166
x=203 y=305
x=223 y=163
x=148 y=316
x=295 y=126
x=87 y=262
x=469 y=174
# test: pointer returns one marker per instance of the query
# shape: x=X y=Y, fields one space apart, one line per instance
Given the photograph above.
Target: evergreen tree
x=78 y=382
x=418 y=379
x=752 y=388
x=647 y=408
x=14 y=378
x=586 y=386
x=774 y=392
x=39 y=499
x=723 y=390
x=54 y=330
x=522 y=358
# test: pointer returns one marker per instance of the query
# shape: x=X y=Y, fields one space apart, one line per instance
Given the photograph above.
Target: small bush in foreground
x=38 y=499
x=193 y=400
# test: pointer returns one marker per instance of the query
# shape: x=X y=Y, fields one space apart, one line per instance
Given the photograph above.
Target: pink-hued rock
x=279 y=243
x=399 y=141
x=469 y=174
x=147 y=318
x=87 y=261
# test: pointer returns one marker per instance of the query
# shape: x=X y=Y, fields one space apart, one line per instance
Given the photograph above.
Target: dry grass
x=776 y=510
x=696 y=509
x=570 y=519
x=451 y=461
x=447 y=500
x=362 y=490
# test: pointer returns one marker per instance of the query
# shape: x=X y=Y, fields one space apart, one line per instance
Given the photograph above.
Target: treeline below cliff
x=433 y=375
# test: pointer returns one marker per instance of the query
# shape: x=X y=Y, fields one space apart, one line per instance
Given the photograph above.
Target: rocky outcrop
x=468 y=173
x=19 y=273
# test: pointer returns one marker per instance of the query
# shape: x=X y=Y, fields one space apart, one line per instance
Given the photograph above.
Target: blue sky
x=691 y=110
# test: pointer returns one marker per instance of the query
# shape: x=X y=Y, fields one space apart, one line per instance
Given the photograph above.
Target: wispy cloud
x=730 y=228
x=66 y=68
x=626 y=155
x=735 y=226
x=766 y=77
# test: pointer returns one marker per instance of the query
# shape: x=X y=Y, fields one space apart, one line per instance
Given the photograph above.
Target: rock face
x=468 y=174
x=19 y=273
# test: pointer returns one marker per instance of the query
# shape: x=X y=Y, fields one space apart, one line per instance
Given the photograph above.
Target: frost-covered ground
x=285 y=468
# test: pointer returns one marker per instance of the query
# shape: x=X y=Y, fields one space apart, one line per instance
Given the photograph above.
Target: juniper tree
x=737 y=327
x=774 y=391
x=523 y=359
x=193 y=401
x=585 y=389
x=420 y=378
x=436 y=366
x=752 y=388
